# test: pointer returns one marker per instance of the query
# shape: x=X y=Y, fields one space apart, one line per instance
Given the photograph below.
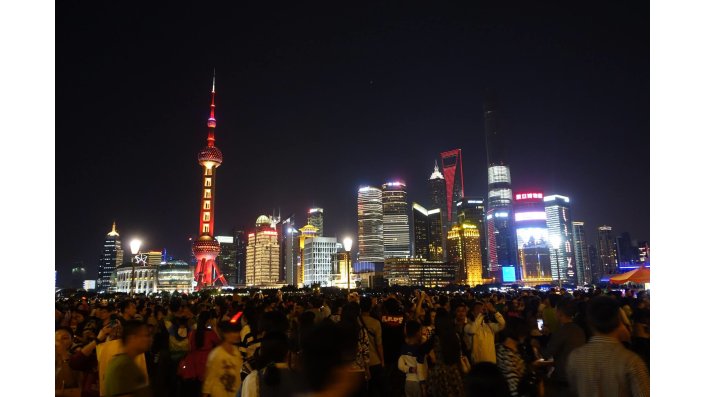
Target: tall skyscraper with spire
x=452 y=163
x=437 y=190
x=109 y=260
x=501 y=240
x=206 y=248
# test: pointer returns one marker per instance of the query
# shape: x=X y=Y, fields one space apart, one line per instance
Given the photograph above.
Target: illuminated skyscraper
x=240 y=243
x=315 y=218
x=306 y=233
x=206 y=247
x=437 y=190
x=627 y=253
x=226 y=258
x=395 y=219
x=464 y=251
x=472 y=210
x=594 y=263
x=532 y=239
x=582 y=260
x=501 y=238
x=370 y=225
x=318 y=260
x=559 y=224
x=452 y=162
x=262 y=262
x=290 y=250
x=428 y=233
x=606 y=251
x=111 y=258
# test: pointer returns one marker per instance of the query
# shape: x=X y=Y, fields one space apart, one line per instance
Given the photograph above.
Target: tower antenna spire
x=211 y=119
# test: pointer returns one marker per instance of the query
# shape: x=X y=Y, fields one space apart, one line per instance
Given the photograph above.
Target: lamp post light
x=135 y=249
x=347 y=245
x=555 y=243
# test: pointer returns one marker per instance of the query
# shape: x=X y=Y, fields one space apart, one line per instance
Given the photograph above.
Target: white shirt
x=482 y=335
x=222 y=373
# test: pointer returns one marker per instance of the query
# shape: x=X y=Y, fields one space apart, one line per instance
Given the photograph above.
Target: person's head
x=486 y=380
x=603 y=316
x=136 y=336
x=566 y=310
x=515 y=329
x=553 y=299
x=461 y=312
x=64 y=338
x=102 y=312
x=230 y=332
x=477 y=308
x=128 y=309
x=413 y=332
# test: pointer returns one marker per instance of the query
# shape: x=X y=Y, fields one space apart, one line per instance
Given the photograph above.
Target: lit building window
x=207 y=205
x=207 y=193
x=209 y=171
x=208 y=182
x=206 y=216
x=206 y=228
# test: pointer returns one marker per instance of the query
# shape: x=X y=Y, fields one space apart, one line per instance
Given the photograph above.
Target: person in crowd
x=224 y=364
x=128 y=311
x=123 y=375
x=324 y=367
x=445 y=378
x=275 y=378
x=640 y=334
x=460 y=321
x=66 y=379
x=604 y=366
x=412 y=360
x=374 y=331
x=562 y=342
x=482 y=332
x=550 y=320
x=84 y=359
x=359 y=360
x=201 y=342
x=486 y=380
x=392 y=319
x=510 y=361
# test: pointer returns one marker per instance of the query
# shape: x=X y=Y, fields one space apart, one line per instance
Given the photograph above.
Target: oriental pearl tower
x=206 y=248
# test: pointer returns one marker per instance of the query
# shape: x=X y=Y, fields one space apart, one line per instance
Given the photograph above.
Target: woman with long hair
x=359 y=358
x=201 y=342
x=445 y=379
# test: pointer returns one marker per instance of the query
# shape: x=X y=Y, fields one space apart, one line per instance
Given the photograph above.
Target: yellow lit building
x=307 y=232
x=262 y=264
x=464 y=250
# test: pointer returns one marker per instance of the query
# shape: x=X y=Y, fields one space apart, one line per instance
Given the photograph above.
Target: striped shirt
x=604 y=368
x=512 y=366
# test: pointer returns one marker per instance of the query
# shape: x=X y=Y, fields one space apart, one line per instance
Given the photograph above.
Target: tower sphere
x=210 y=154
x=206 y=244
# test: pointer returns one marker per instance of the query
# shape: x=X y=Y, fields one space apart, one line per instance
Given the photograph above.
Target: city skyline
x=151 y=118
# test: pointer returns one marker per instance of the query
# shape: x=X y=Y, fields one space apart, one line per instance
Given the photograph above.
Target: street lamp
x=347 y=244
x=135 y=249
x=555 y=243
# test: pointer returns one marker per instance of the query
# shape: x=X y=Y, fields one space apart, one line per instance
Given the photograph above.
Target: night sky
x=315 y=100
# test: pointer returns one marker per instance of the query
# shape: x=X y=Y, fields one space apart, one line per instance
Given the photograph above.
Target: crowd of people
x=412 y=343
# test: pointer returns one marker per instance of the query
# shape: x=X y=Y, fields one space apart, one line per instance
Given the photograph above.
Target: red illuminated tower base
x=206 y=248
